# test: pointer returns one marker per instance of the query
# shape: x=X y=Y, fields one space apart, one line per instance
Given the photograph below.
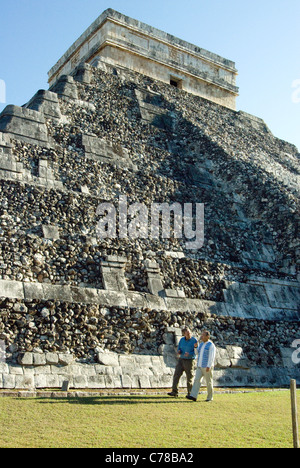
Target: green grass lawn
x=232 y=420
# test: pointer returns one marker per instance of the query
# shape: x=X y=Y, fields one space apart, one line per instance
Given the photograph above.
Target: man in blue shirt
x=186 y=354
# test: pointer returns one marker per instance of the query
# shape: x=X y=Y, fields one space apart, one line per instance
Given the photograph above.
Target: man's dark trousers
x=187 y=366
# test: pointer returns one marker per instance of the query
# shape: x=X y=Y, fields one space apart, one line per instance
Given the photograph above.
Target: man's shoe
x=173 y=394
x=189 y=397
x=208 y=401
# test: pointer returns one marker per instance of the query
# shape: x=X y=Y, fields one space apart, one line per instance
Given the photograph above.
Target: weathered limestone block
x=44 y=171
x=237 y=357
x=16 y=370
x=244 y=119
x=255 y=253
x=169 y=338
x=24 y=382
x=40 y=381
x=174 y=293
x=80 y=381
x=53 y=381
x=45 y=359
x=127 y=381
x=65 y=88
x=50 y=232
x=155 y=284
x=46 y=176
x=9 y=168
x=113 y=273
x=11 y=289
x=85 y=189
x=51 y=358
x=127 y=361
x=24 y=124
x=4 y=369
x=96 y=381
x=248 y=294
x=45 y=102
x=26 y=359
x=8 y=381
x=174 y=254
x=152 y=110
x=108 y=359
x=9 y=163
x=222 y=358
x=112 y=381
x=144 y=381
x=231 y=357
x=39 y=359
x=287 y=355
x=83 y=73
x=5 y=144
x=285 y=297
x=65 y=359
x=99 y=149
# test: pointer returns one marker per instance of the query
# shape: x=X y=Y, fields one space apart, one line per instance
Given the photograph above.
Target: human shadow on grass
x=115 y=400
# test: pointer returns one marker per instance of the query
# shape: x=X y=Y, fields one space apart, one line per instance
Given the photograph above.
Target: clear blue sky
x=261 y=36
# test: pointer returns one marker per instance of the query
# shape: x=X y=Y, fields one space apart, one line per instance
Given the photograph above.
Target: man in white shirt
x=205 y=367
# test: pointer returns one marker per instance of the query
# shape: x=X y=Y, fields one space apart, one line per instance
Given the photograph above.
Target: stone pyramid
x=107 y=312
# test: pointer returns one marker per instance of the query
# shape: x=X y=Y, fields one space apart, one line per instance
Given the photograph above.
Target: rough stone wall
x=81 y=329
x=113 y=132
x=108 y=347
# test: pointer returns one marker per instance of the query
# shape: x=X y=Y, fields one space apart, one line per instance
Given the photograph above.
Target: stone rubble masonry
x=55 y=370
x=11 y=169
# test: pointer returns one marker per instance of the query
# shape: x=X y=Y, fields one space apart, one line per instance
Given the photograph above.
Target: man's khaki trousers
x=208 y=377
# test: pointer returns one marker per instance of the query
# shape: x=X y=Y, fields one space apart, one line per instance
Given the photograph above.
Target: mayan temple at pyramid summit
x=136 y=200
x=122 y=41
